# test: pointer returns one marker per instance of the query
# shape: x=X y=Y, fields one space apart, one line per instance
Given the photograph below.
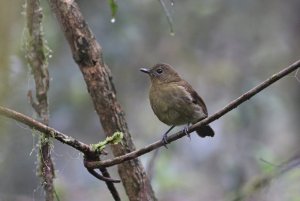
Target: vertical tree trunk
x=88 y=55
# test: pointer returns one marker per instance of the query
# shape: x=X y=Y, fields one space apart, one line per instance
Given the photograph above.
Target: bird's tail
x=204 y=131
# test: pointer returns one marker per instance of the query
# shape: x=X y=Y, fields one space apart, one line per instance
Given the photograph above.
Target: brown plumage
x=174 y=101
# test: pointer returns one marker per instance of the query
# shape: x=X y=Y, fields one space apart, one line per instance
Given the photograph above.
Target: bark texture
x=88 y=55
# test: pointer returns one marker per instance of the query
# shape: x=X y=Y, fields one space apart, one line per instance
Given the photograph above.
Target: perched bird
x=174 y=101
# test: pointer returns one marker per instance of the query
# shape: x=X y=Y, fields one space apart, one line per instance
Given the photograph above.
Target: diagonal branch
x=50 y=132
x=264 y=180
x=244 y=97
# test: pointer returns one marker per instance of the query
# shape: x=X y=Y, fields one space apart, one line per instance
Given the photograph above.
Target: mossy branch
x=36 y=56
x=114 y=139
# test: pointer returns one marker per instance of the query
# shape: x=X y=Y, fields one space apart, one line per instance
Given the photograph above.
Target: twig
x=168 y=15
x=105 y=175
x=101 y=177
x=150 y=165
x=110 y=185
x=262 y=181
x=246 y=96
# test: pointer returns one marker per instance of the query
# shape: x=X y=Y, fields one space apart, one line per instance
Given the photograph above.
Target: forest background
x=223 y=48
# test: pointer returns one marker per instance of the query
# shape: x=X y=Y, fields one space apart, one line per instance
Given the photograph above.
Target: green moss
x=114 y=139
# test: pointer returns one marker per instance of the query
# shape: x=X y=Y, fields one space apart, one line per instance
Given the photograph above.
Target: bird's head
x=161 y=73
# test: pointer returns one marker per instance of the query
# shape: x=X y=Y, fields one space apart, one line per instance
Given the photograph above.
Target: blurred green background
x=222 y=47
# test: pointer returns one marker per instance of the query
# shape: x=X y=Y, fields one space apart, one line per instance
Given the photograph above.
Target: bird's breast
x=172 y=105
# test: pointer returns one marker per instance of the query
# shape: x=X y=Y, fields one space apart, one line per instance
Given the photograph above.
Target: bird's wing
x=196 y=99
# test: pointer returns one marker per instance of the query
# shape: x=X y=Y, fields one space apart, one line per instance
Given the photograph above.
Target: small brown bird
x=174 y=101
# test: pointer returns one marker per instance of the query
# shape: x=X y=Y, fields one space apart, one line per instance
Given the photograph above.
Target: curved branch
x=109 y=181
x=51 y=132
x=101 y=177
x=244 y=97
x=104 y=177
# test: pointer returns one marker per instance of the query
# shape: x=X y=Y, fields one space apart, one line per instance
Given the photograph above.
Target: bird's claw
x=186 y=131
x=165 y=140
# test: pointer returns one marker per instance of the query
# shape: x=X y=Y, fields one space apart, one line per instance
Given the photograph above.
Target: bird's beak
x=145 y=70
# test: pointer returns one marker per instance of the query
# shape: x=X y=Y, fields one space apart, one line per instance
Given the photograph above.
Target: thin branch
x=50 y=132
x=110 y=185
x=151 y=164
x=168 y=15
x=101 y=177
x=262 y=181
x=105 y=175
x=246 y=96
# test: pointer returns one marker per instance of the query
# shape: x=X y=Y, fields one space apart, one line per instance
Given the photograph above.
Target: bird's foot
x=165 y=137
x=165 y=140
x=186 y=131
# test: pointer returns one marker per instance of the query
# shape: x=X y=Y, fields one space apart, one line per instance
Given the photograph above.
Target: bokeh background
x=222 y=47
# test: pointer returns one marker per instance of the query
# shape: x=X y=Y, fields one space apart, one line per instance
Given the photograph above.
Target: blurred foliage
x=114 y=7
x=223 y=48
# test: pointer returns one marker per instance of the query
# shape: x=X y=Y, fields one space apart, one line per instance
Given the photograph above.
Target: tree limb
x=244 y=97
x=51 y=132
x=44 y=129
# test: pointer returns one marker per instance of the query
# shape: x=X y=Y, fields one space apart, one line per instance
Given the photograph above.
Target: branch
x=100 y=177
x=168 y=15
x=246 y=96
x=109 y=183
x=50 y=132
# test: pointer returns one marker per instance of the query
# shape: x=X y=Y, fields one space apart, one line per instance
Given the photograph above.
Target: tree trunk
x=88 y=55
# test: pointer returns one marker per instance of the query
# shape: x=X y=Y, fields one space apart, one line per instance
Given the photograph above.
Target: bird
x=174 y=101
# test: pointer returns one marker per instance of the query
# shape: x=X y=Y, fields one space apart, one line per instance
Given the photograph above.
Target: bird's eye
x=159 y=71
